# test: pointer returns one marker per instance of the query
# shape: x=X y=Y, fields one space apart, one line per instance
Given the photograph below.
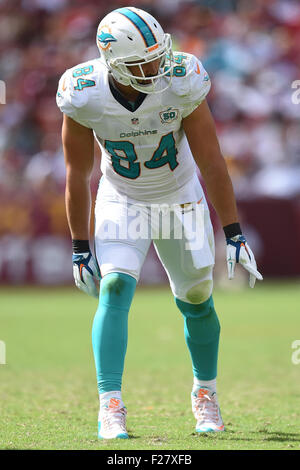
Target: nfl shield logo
x=134 y=121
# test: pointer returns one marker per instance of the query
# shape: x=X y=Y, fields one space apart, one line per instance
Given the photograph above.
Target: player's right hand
x=86 y=273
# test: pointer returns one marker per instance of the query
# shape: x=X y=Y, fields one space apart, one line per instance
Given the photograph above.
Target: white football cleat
x=206 y=410
x=112 y=420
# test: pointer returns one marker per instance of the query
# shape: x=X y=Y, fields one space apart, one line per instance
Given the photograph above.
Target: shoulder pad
x=189 y=76
x=77 y=86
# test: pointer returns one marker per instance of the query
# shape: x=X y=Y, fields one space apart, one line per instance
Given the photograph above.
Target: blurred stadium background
x=251 y=51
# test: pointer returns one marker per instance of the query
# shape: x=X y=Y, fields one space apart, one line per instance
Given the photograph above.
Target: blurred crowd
x=251 y=51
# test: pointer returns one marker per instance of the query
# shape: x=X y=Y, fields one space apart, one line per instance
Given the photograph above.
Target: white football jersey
x=145 y=153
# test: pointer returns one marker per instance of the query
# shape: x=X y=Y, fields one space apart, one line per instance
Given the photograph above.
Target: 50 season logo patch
x=169 y=115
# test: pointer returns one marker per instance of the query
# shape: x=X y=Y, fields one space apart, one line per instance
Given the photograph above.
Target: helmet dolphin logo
x=106 y=38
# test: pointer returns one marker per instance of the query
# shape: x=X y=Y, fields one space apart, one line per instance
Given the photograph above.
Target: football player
x=145 y=105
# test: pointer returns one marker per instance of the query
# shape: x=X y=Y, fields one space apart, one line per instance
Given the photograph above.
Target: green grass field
x=48 y=387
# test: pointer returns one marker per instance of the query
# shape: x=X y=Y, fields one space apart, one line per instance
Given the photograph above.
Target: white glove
x=86 y=273
x=238 y=251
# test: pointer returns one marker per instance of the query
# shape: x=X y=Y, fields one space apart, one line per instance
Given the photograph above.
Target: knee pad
x=199 y=293
x=195 y=289
x=117 y=289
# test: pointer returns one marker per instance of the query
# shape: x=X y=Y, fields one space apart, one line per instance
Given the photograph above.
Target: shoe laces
x=206 y=406
x=114 y=415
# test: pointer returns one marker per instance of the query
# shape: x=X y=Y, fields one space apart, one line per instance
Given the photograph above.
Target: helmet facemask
x=121 y=69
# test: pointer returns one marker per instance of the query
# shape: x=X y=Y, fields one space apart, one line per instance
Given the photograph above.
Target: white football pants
x=182 y=235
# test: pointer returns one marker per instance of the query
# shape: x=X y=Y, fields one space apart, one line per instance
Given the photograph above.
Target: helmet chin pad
x=120 y=78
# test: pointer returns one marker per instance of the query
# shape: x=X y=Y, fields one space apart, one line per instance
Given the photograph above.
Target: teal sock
x=202 y=332
x=110 y=329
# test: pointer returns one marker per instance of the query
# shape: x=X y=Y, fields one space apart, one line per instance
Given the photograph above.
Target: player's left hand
x=238 y=251
x=86 y=273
